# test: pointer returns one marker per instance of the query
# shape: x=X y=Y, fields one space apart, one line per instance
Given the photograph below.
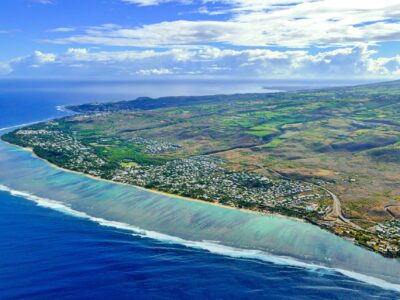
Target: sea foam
x=211 y=246
x=62 y=108
x=24 y=124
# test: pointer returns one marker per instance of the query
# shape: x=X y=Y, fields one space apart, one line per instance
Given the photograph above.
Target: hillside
x=330 y=156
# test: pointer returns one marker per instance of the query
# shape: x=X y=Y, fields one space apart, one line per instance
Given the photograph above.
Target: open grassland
x=345 y=139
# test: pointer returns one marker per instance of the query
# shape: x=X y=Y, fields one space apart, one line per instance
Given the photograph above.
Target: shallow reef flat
x=216 y=229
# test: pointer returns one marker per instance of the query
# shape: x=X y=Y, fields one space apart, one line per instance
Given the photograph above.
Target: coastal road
x=387 y=209
x=336 y=207
x=336 y=212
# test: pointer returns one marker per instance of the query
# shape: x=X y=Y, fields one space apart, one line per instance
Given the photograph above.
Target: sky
x=243 y=39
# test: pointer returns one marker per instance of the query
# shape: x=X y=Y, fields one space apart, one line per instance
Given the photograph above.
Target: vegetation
x=346 y=140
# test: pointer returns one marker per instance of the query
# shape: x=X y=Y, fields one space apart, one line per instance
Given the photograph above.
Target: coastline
x=160 y=192
x=321 y=226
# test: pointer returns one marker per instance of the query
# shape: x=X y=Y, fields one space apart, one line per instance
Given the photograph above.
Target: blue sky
x=267 y=39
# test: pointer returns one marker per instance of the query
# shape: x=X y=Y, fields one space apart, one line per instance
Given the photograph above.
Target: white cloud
x=5 y=69
x=41 y=57
x=284 y=23
x=154 y=2
x=43 y=1
x=77 y=51
x=355 y=62
x=8 y=31
x=245 y=42
x=291 y=34
x=161 y=71
x=161 y=34
x=62 y=29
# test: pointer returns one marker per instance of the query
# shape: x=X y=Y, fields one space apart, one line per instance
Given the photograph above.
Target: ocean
x=64 y=236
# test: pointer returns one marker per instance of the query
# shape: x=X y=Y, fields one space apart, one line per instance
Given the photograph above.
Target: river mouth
x=198 y=225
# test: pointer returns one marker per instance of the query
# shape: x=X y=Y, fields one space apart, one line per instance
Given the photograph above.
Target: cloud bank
x=231 y=38
x=205 y=61
x=259 y=23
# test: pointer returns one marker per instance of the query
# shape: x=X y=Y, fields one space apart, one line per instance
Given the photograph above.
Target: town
x=201 y=177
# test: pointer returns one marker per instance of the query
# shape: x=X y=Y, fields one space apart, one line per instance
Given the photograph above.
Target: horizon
x=200 y=149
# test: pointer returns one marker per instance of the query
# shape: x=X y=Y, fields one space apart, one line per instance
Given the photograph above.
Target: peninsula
x=329 y=156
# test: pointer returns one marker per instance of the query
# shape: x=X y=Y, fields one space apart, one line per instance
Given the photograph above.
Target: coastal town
x=75 y=155
x=200 y=177
x=203 y=177
x=200 y=149
x=382 y=238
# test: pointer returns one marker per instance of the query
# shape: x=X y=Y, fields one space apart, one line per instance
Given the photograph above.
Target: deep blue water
x=25 y=101
x=45 y=254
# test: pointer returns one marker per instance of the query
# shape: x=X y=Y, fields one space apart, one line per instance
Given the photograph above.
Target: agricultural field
x=284 y=152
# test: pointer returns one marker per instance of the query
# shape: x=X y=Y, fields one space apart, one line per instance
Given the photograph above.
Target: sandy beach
x=156 y=191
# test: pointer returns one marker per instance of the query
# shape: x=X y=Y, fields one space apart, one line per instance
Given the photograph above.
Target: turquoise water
x=66 y=236
x=216 y=229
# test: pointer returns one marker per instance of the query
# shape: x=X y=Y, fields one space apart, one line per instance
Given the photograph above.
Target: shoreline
x=19 y=148
x=159 y=192
x=248 y=211
x=261 y=213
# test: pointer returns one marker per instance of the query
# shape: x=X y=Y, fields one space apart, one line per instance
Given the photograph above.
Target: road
x=336 y=207
x=336 y=212
x=387 y=209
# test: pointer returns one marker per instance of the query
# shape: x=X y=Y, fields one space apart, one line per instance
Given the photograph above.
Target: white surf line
x=63 y=108
x=59 y=108
x=210 y=246
x=20 y=125
x=25 y=124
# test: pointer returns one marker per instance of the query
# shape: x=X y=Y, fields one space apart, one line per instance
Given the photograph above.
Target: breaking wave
x=22 y=125
x=211 y=246
x=62 y=108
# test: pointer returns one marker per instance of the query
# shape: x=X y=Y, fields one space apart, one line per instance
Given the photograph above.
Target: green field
x=348 y=138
